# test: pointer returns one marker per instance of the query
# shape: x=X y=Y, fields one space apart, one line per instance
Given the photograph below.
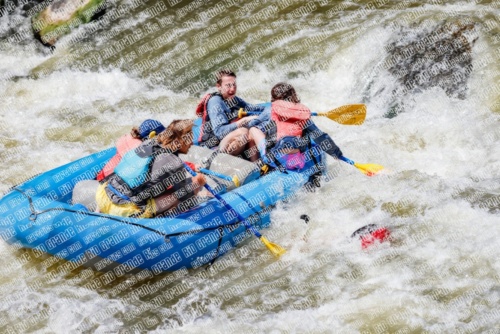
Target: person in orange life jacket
x=151 y=179
x=293 y=126
x=149 y=128
x=220 y=116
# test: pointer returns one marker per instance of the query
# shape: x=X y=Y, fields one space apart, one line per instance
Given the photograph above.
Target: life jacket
x=201 y=111
x=289 y=117
x=138 y=177
x=125 y=144
x=134 y=167
x=201 y=108
x=206 y=136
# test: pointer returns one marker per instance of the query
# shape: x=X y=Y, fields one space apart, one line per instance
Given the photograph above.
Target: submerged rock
x=431 y=57
x=439 y=58
x=61 y=16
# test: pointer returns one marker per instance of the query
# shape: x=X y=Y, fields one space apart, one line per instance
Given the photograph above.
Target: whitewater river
x=428 y=72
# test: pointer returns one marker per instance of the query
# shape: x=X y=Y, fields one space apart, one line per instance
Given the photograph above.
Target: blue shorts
x=289 y=143
x=290 y=161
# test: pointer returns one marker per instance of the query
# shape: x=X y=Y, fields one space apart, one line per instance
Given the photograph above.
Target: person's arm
x=217 y=110
x=324 y=141
x=170 y=200
x=263 y=118
x=251 y=107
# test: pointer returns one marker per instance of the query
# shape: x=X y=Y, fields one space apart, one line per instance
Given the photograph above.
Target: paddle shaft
x=349 y=161
x=259 y=112
x=226 y=205
x=350 y=114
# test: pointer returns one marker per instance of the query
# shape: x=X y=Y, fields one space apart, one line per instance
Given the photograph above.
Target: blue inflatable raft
x=39 y=214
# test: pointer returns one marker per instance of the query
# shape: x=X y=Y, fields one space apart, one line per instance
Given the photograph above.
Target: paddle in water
x=275 y=249
x=367 y=169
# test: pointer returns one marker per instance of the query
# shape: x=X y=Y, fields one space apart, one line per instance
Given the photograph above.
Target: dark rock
x=61 y=16
x=441 y=57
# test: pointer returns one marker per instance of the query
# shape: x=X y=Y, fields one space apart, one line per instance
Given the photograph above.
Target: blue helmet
x=149 y=126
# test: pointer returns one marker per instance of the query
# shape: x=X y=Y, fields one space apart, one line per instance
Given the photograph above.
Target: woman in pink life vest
x=149 y=128
x=291 y=117
x=291 y=122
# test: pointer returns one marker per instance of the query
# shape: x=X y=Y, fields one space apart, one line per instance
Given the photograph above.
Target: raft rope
x=16 y=185
x=34 y=214
x=217 y=252
x=221 y=228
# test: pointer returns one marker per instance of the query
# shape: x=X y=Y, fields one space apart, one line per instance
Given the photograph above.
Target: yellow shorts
x=105 y=205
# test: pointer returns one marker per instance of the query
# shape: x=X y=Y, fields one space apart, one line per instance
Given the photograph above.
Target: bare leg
x=168 y=201
x=252 y=152
x=259 y=139
x=235 y=142
x=165 y=202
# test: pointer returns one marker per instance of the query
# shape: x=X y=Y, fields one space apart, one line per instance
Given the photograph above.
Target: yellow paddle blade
x=351 y=114
x=277 y=250
x=369 y=169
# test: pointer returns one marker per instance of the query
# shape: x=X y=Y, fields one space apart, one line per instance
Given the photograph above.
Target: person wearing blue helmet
x=151 y=179
x=148 y=129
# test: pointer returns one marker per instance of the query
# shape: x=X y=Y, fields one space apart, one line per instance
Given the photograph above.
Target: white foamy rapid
x=439 y=194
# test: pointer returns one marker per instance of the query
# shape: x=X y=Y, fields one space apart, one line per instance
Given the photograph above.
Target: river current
x=428 y=72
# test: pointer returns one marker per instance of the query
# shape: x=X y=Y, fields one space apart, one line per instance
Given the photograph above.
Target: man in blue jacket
x=219 y=110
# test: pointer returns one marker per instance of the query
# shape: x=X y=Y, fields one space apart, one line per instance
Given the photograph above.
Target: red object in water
x=380 y=234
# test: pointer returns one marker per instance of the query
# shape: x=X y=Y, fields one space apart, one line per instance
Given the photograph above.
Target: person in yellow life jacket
x=294 y=129
x=151 y=179
x=148 y=128
x=219 y=112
